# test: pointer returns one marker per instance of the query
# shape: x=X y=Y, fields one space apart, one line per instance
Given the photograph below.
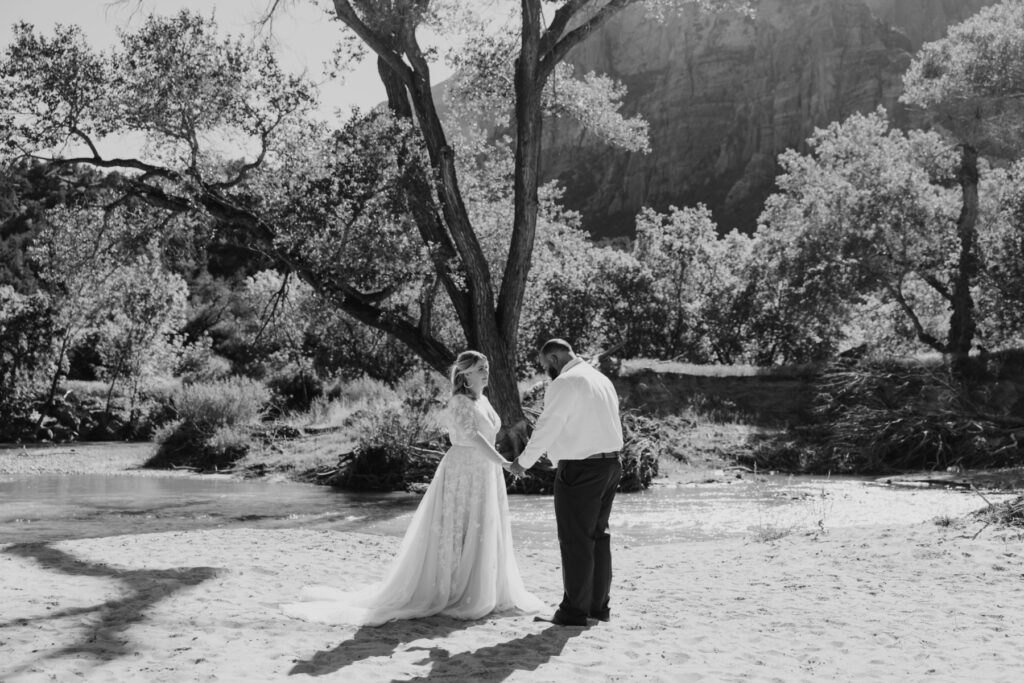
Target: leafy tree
x=733 y=298
x=1000 y=294
x=599 y=297
x=264 y=326
x=726 y=301
x=26 y=347
x=143 y=309
x=678 y=249
x=57 y=87
x=873 y=211
x=490 y=315
x=971 y=81
x=100 y=286
x=28 y=188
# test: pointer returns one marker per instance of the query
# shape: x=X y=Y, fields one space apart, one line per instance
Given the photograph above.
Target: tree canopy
x=307 y=196
x=974 y=78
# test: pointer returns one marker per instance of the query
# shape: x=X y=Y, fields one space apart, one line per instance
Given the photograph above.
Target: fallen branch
x=428 y=451
x=975 y=489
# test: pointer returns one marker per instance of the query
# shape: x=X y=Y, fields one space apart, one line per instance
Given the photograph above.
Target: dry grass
x=300 y=457
x=768 y=533
x=84 y=388
x=341 y=424
x=774 y=524
x=1010 y=513
x=677 y=368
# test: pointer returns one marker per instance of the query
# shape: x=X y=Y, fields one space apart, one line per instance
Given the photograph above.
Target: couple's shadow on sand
x=491 y=663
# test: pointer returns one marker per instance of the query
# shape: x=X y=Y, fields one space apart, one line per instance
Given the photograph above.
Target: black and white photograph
x=663 y=341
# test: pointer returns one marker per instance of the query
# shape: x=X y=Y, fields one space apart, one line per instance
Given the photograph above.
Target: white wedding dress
x=456 y=558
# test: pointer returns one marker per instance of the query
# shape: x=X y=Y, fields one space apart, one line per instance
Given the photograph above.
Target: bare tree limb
x=373 y=40
x=922 y=334
x=85 y=138
x=557 y=52
x=563 y=15
x=938 y=286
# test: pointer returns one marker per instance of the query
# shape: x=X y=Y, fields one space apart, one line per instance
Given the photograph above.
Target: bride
x=456 y=558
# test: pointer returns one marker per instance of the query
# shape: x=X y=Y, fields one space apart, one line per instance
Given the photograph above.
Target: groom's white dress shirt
x=580 y=417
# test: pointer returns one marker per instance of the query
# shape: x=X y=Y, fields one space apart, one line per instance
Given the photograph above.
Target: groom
x=581 y=433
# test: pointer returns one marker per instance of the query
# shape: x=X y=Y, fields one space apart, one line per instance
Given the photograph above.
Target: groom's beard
x=552 y=373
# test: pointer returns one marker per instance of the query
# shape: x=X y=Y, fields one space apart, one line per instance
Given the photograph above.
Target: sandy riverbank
x=100 y=457
x=906 y=603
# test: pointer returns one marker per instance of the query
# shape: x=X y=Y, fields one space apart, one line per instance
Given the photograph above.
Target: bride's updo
x=466 y=361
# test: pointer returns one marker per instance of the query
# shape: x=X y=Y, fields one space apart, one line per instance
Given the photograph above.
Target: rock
x=66 y=417
x=724 y=96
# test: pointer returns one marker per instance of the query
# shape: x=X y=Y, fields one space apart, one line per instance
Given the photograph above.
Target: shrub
x=211 y=431
x=361 y=390
x=644 y=439
x=26 y=340
x=389 y=456
x=199 y=363
x=234 y=401
x=295 y=388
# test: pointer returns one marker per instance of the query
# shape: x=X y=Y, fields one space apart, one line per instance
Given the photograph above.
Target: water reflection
x=43 y=508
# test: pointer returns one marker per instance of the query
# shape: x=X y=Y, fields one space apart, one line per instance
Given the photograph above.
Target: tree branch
x=429 y=348
x=922 y=334
x=938 y=286
x=557 y=52
x=149 y=169
x=246 y=168
x=422 y=207
x=88 y=141
x=480 y=297
x=375 y=42
x=562 y=17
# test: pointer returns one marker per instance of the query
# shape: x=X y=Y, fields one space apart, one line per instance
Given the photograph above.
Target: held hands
x=515 y=469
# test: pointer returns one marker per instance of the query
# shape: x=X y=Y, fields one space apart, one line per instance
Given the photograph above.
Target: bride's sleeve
x=462 y=415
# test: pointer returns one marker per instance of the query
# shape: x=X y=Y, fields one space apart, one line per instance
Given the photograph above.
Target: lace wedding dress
x=456 y=558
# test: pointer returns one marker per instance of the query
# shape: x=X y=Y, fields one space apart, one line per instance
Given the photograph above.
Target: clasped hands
x=514 y=468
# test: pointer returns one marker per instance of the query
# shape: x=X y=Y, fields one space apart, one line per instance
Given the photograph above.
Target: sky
x=302 y=34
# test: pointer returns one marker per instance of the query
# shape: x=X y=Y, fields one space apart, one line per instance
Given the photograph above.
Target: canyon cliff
x=724 y=95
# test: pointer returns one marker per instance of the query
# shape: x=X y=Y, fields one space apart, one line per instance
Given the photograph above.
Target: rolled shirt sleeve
x=549 y=424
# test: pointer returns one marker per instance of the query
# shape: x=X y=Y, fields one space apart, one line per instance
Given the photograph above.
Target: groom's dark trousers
x=584 y=491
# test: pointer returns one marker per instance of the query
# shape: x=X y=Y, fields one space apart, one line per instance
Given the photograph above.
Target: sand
x=922 y=602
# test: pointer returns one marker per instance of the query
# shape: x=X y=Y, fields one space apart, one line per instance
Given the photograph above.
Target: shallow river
x=35 y=508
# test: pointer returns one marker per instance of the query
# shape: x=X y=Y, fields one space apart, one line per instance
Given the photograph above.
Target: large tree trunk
x=961 y=323
x=528 y=88
x=475 y=308
x=489 y=326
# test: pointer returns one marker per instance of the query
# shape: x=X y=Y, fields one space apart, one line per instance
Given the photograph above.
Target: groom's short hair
x=552 y=345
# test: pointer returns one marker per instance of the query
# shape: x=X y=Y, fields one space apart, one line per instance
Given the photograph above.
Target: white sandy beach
x=921 y=602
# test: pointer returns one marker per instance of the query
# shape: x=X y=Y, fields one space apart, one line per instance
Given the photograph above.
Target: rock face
x=725 y=95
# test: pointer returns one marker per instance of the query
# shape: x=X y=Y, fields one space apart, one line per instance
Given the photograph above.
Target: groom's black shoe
x=606 y=615
x=559 y=620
